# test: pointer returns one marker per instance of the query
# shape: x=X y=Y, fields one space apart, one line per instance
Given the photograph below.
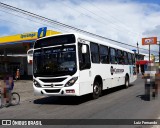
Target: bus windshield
x=55 y=61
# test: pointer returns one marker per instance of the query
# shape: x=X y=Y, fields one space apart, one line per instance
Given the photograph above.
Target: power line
x=15 y=23
x=100 y=19
x=41 y=18
x=29 y=20
x=115 y=18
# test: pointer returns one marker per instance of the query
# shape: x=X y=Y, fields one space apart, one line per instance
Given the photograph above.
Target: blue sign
x=134 y=50
x=42 y=32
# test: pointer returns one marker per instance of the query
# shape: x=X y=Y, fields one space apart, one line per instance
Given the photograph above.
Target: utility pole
x=149 y=51
x=158 y=43
x=159 y=51
x=138 y=58
x=138 y=51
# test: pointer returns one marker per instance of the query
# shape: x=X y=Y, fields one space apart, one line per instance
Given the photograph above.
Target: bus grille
x=56 y=85
x=52 y=91
x=53 y=80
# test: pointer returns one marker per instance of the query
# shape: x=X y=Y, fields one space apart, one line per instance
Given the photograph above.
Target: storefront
x=13 y=52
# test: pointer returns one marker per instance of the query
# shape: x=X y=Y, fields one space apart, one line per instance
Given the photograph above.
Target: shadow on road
x=70 y=100
x=143 y=97
x=115 y=89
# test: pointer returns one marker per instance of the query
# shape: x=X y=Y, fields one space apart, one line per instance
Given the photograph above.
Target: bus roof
x=105 y=42
x=95 y=40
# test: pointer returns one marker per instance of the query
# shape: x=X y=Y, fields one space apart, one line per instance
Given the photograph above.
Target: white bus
x=75 y=65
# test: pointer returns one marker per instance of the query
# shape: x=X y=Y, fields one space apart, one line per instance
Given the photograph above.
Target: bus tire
x=97 y=89
x=126 y=81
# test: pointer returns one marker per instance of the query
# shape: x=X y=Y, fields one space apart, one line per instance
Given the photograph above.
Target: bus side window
x=95 y=53
x=104 y=57
x=125 y=58
x=113 y=58
x=84 y=58
x=133 y=58
x=130 y=58
x=120 y=57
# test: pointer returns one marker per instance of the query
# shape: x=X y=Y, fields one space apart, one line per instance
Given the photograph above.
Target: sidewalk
x=25 y=89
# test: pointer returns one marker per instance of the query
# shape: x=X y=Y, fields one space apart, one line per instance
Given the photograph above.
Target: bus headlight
x=36 y=83
x=71 y=82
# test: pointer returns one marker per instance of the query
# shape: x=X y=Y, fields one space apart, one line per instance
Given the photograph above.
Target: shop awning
x=143 y=62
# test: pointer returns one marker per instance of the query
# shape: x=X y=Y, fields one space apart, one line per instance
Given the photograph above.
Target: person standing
x=8 y=80
x=3 y=91
x=17 y=74
x=151 y=81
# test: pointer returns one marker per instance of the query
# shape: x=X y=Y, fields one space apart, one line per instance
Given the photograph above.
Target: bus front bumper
x=65 y=91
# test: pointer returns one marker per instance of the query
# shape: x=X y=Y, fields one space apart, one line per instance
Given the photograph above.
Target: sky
x=126 y=21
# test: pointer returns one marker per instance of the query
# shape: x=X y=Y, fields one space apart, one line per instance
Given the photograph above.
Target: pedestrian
x=151 y=85
x=17 y=74
x=4 y=97
x=8 y=81
x=2 y=90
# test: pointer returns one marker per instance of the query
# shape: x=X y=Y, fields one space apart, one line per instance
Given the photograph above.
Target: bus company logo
x=115 y=71
x=52 y=85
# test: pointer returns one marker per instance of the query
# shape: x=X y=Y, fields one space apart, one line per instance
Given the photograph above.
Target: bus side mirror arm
x=30 y=55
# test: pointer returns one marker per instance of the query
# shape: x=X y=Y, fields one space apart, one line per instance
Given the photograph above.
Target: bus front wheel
x=96 y=90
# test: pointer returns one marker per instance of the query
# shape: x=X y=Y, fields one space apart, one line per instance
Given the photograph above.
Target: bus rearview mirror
x=84 y=49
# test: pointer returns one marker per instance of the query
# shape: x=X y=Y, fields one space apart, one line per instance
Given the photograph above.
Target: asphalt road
x=117 y=103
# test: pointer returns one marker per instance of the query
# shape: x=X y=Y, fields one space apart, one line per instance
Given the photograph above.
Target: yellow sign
x=24 y=37
x=152 y=57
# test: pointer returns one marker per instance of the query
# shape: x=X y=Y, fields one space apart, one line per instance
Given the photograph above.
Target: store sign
x=42 y=32
x=149 y=41
x=28 y=35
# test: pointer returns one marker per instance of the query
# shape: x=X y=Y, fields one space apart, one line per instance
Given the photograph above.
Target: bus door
x=85 y=68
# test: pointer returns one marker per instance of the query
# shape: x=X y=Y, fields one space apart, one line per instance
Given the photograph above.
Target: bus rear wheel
x=96 y=90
